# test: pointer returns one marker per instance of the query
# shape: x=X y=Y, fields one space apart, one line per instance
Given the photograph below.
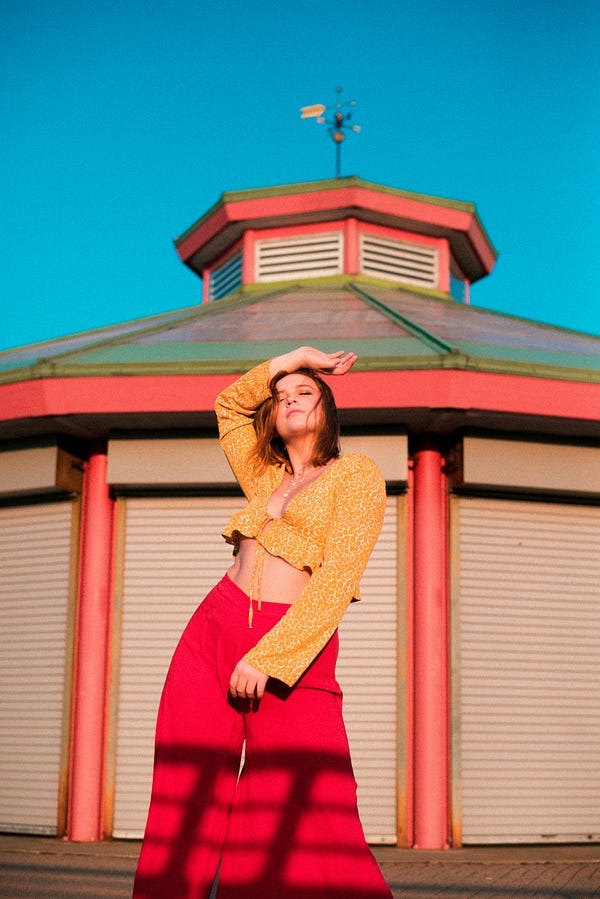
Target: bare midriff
x=266 y=577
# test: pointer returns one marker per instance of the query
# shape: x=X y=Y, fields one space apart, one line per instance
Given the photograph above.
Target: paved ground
x=44 y=868
x=545 y=872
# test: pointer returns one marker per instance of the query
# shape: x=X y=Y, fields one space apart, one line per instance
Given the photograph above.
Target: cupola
x=343 y=228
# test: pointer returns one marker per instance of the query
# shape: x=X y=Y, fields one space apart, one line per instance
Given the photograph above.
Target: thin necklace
x=294 y=482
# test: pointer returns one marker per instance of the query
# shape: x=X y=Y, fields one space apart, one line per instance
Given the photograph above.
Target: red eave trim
x=438 y=389
x=204 y=233
x=481 y=246
x=447 y=389
x=330 y=200
x=114 y=395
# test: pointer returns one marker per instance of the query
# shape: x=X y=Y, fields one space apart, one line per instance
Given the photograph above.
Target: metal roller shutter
x=35 y=585
x=529 y=621
x=173 y=555
x=368 y=674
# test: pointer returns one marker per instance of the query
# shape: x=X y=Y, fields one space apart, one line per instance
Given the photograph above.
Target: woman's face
x=298 y=406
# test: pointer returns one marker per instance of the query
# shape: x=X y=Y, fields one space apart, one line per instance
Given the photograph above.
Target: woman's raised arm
x=337 y=363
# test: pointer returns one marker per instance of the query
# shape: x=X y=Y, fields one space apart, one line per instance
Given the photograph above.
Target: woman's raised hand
x=337 y=363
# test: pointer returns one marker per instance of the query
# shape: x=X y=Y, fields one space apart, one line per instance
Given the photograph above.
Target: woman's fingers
x=247 y=682
x=344 y=364
x=320 y=360
x=337 y=363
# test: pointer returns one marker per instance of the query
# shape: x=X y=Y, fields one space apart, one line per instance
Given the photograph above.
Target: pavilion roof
x=389 y=329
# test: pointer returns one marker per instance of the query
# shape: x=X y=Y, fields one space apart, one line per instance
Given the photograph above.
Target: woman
x=255 y=667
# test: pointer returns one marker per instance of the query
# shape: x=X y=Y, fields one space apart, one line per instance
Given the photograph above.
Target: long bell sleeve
x=235 y=407
x=358 y=509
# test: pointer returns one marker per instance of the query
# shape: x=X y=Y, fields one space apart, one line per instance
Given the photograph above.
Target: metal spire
x=337 y=123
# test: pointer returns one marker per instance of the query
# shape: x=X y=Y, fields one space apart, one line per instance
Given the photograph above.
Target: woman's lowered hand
x=247 y=682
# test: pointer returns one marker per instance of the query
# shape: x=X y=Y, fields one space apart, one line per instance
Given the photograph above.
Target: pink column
x=206 y=285
x=444 y=263
x=406 y=806
x=248 y=243
x=351 y=253
x=431 y=707
x=91 y=654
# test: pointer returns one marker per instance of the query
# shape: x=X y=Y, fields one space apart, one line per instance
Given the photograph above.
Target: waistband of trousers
x=230 y=592
x=232 y=605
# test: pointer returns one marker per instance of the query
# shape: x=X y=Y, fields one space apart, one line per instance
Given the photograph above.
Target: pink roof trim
x=323 y=201
x=444 y=389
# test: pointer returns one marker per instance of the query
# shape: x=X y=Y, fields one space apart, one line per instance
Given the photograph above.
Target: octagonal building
x=472 y=667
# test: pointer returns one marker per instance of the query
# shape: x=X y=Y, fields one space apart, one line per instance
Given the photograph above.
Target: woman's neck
x=300 y=455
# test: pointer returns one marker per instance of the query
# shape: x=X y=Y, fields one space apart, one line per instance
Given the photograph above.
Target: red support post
x=351 y=249
x=248 y=250
x=431 y=705
x=91 y=654
x=407 y=802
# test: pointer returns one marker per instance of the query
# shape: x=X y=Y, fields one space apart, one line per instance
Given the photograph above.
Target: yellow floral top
x=329 y=528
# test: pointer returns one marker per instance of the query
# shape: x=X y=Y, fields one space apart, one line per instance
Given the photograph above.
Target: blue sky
x=124 y=122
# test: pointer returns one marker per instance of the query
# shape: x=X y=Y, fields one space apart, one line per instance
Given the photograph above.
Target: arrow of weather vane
x=337 y=122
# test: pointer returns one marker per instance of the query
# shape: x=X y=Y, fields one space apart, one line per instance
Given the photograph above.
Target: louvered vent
x=398 y=261
x=226 y=278
x=299 y=257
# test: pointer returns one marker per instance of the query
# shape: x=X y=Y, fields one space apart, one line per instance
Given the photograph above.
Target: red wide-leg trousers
x=287 y=827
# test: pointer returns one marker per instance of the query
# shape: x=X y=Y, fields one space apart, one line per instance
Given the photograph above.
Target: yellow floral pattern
x=330 y=528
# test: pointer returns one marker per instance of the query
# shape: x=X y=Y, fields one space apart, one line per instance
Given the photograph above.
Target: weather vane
x=337 y=123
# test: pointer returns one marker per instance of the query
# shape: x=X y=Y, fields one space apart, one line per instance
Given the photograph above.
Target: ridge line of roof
x=416 y=330
x=485 y=310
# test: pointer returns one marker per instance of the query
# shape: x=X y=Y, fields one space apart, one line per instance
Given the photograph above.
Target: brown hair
x=270 y=448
